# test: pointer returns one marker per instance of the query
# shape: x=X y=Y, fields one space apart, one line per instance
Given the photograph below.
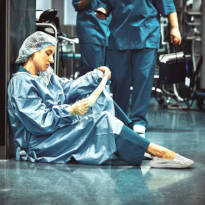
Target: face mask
x=46 y=75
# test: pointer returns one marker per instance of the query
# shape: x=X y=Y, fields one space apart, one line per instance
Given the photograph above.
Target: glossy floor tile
x=24 y=183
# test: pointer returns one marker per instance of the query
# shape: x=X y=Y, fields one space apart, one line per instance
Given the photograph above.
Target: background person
x=92 y=33
x=133 y=43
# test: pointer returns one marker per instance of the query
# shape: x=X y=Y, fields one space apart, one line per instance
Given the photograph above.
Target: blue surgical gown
x=135 y=23
x=44 y=129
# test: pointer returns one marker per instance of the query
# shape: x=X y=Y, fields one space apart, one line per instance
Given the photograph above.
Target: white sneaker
x=148 y=156
x=178 y=162
x=139 y=128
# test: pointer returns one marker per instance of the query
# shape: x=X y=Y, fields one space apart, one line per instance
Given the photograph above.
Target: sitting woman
x=57 y=120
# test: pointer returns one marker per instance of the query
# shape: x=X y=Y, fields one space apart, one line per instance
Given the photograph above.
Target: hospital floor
x=116 y=183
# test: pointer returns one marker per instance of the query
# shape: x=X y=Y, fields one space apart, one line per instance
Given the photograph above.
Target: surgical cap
x=34 y=43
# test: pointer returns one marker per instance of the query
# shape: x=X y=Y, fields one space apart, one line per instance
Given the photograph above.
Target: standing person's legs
x=143 y=68
x=92 y=56
x=119 y=64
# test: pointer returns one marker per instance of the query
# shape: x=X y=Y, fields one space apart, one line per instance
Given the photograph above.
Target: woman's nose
x=51 y=60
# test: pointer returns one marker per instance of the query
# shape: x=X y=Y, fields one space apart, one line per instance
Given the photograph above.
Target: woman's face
x=43 y=58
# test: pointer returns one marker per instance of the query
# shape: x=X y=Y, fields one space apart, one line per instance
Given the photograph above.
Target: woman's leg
x=131 y=148
x=160 y=151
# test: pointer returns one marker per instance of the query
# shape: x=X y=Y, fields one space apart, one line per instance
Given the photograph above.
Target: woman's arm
x=96 y=93
x=29 y=108
x=82 y=87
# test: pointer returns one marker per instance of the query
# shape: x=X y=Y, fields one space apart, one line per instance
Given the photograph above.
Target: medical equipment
x=48 y=22
x=183 y=94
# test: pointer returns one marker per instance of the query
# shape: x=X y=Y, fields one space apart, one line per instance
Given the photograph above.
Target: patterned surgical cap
x=34 y=43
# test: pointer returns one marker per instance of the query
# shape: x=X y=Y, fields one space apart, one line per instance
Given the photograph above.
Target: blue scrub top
x=89 y=28
x=135 y=23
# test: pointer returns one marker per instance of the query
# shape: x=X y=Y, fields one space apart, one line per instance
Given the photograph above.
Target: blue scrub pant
x=132 y=68
x=130 y=146
x=92 y=56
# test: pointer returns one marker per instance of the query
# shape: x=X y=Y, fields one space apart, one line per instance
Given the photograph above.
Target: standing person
x=52 y=120
x=92 y=33
x=133 y=43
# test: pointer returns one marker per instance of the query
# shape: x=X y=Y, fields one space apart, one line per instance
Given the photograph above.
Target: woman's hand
x=79 y=108
x=106 y=71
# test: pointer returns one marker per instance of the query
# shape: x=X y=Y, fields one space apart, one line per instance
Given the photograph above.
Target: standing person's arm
x=175 y=35
x=167 y=8
x=80 y=4
x=103 y=10
x=101 y=13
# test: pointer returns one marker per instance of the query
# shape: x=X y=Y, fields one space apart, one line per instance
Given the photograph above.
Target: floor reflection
x=42 y=183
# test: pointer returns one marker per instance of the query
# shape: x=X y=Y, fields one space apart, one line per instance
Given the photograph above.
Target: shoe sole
x=170 y=165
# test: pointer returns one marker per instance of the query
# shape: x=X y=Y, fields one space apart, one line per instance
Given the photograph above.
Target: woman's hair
x=34 y=43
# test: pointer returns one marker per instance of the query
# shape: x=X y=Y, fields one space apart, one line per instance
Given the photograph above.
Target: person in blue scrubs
x=52 y=121
x=92 y=33
x=133 y=43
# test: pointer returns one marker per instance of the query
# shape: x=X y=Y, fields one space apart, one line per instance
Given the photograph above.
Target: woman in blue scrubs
x=92 y=33
x=52 y=121
x=133 y=43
